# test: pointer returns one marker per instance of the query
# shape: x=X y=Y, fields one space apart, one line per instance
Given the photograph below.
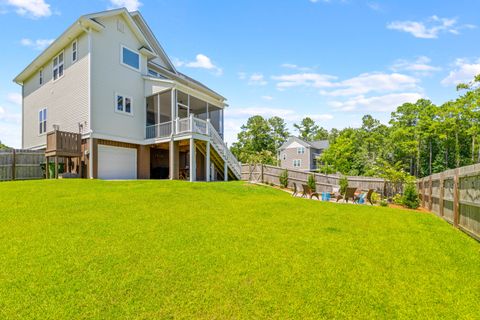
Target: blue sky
x=332 y=60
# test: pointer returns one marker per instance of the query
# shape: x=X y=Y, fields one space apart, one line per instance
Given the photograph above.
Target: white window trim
x=38 y=123
x=124 y=97
x=129 y=66
x=53 y=67
x=299 y=163
x=76 y=51
x=301 y=148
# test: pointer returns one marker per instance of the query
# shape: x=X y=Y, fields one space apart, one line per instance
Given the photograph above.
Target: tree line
x=420 y=139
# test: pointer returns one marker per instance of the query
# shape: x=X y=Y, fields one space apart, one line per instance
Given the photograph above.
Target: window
x=123 y=104
x=42 y=121
x=74 y=51
x=284 y=156
x=130 y=58
x=301 y=150
x=58 y=66
x=152 y=73
x=40 y=77
x=297 y=163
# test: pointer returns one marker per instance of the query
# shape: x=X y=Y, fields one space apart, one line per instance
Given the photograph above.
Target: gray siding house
x=298 y=154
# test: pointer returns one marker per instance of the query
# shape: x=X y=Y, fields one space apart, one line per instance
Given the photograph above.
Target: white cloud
x=373 y=82
x=131 y=5
x=429 y=29
x=361 y=84
x=267 y=98
x=38 y=44
x=31 y=8
x=464 y=71
x=295 y=67
x=315 y=80
x=385 y=103
x=242 y=75
x=421 y=66
x=201 y=62
x=15 y=98
x=375 y=6
x=257 y=79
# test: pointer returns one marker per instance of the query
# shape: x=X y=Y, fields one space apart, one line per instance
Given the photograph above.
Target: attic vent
x=120 y=26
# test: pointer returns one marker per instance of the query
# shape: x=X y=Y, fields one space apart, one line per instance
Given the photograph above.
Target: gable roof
x=319 y=144
x=79 y=26
x=142 y=24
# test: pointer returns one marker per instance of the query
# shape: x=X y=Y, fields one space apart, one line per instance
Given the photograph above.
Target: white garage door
x=117 y=163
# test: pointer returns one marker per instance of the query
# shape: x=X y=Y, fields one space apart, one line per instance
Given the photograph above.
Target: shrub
x=384 y=203
x=375 y=197
x=284 y=179
x=343 y=184
x=398 y=199
x=410 y=196
x=311 y=182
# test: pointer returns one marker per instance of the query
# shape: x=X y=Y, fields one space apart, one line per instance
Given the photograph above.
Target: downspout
x=88 y=31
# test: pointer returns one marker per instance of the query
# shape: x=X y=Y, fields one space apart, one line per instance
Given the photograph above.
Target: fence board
x=458 y=197
x=324 y=183
x=21 y=164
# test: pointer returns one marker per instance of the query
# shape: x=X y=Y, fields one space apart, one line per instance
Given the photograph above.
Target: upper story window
x=58 y=66
x=42 y=121
x=123 y=104
x=301 y=150
x=74 y=51
x=284 y=156
x=130 y=58
x=40 y=77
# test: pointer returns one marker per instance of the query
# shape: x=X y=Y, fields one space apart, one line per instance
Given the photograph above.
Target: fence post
x=455 y=199
x=261 y=173
x=423 y=192
x=430 y=203
x=13 y=164
x=440 y=198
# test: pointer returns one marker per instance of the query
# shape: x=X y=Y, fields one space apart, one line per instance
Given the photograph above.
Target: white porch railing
x=161 y=130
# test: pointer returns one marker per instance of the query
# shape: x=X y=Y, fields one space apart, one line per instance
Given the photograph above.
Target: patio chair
x=295 y=190
x=307 y=191
x=369 y=196
x=349 y=194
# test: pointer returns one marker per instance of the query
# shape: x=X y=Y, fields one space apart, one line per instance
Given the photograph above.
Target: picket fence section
x=454 y=195
x=19 y=164
x=325 y=183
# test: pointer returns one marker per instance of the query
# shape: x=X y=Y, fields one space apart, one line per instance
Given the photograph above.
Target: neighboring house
x=298 y=154
x=108 y=78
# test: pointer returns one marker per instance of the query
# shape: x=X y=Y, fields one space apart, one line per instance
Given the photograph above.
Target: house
x=299 y=154
x=107 y=81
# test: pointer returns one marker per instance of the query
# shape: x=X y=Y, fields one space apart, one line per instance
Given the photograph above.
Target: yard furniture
x=295 y=190
x=349 y=194
x=307 y=191
x=369 y=196
x=325 y=196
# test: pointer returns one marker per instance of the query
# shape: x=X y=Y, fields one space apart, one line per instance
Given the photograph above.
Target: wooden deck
x=63 y=144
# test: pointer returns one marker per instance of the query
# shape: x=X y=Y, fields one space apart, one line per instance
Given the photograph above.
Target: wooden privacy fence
x=325 y=183
x=21 y=164
x=454 y=195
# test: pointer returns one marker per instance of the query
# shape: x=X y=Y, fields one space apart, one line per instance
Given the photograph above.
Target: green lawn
x=88 y=249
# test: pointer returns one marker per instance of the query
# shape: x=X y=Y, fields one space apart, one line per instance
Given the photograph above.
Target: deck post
x=56 y=167
x=207 y=162
x=47 y=174
x=192 y=167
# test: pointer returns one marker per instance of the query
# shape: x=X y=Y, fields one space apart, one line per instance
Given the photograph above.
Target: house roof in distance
x=318 y=144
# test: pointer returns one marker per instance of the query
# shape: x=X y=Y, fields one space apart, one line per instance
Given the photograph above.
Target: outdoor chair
x=369 y=196
x=295 y=190
x=307 y=191
x=349 y=194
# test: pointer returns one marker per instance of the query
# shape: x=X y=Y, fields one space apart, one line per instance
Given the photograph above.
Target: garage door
x=117 y=163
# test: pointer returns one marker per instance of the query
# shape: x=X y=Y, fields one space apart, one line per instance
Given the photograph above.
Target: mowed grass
x=83 y=249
